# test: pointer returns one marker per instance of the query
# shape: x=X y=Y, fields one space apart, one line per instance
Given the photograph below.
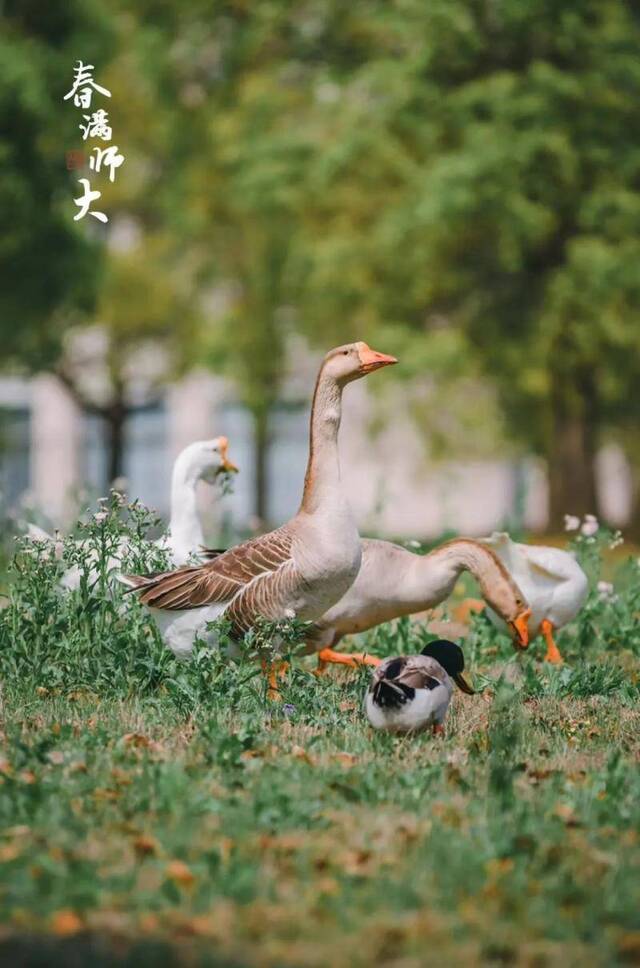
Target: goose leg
x=274 y=670
x=352 y=659
x=553 y=653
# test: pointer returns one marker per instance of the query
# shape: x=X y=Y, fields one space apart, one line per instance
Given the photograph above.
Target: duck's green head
x=451 y=658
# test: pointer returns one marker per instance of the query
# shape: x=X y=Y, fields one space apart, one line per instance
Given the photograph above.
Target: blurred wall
x=393 y=489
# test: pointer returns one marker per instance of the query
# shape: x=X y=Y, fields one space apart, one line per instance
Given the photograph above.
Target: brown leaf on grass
x=121 y=777
x=629 y=947
x=347 y=759
x=535 y=775
x=301 y=754
x=566 y=814
x=42 y=691
x=101 y=794
x=149 y=923
x=5 y=766
x=56 y=757
x=9 y=852
x=347 y=706
x=225 y=846
x=499 y=866
x=136 y=739
x=178 y=872
x=356 y=863
x=145 y=844
x=65 y=923
x=28 y=777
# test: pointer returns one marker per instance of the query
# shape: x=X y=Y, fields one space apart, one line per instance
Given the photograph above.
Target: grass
x=158 y=813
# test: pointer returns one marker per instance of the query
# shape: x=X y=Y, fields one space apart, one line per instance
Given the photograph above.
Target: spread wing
x=250 y=571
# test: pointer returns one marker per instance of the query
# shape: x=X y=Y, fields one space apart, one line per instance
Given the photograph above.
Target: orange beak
x=522 y=629
x=226 y=464
x=371 y=360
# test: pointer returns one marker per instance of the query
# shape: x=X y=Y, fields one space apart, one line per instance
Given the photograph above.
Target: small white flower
x=412 y=543
x=571 y=522
x=590 y=525
x=100 y=516
x=605 y=590
x=616 y=540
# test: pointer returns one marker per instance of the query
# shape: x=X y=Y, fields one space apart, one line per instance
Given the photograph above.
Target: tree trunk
x=115 y=420
x=573 y=446
x=262 y=442
x=632 y=529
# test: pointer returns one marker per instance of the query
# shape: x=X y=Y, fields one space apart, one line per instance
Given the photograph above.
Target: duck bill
x=462 y=684
x=520 y=626
x=371 y=360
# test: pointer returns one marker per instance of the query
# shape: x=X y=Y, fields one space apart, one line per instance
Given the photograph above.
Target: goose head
x=205 y=460
x=506 y=599
x=352 y=361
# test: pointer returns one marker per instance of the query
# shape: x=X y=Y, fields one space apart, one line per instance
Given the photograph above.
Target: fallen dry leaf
x=347 y=759
x=145 y=844
x=136 y=739
x=178 y=872
x=65 y=923
x=301 y=754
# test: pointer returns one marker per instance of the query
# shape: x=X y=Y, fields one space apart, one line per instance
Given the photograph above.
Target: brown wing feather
x=418 y=669
x=219 y=580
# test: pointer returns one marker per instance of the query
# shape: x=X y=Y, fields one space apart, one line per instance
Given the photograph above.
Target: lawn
x=162 y=813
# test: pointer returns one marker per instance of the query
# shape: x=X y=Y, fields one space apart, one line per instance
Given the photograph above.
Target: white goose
x=393 y=582
x=554 y=583
x=203 y=460
x=409 y=693
x=297 y=571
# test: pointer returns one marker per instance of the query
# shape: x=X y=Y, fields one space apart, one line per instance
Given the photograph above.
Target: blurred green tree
x=48 y=265
x=477 y=163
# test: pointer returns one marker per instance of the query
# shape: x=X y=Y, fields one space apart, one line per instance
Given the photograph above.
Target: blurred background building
x=52 y=453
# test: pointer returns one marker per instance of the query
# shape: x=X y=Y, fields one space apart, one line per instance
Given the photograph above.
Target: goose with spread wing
x=297 y=571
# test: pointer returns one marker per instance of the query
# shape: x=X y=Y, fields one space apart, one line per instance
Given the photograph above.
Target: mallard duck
x=552 y=580
x=409 y=693
x=203 y=460
x=393 y=582
x=297 y=571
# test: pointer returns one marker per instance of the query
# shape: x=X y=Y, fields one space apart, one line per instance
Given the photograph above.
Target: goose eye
x=345 y=352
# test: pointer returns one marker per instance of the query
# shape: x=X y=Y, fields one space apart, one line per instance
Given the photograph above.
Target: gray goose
x=393 y=582
x=297 y=571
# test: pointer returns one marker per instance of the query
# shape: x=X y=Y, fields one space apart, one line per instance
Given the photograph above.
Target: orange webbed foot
x=553 y=653
x=352 y=659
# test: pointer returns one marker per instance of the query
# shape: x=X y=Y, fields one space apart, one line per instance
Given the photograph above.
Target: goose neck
x=322 y=479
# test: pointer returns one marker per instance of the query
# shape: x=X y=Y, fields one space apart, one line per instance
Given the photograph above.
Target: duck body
x=555 y=585
x=412 y=693
x=294 y=572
